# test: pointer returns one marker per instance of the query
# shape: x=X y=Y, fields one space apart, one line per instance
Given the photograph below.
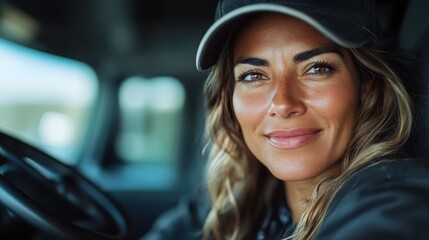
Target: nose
x=287 y=100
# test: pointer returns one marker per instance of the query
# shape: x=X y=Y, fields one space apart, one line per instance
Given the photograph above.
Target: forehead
x=267 y=29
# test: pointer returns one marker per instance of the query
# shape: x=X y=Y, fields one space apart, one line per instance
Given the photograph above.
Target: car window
x=151 y=115
x=45 y=99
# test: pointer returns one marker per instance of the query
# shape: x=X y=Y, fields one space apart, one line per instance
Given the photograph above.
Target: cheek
x=338 y=106
x=338 y=102
x=249 y=108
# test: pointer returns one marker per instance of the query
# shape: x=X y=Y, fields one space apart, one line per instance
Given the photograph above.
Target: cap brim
x=340 y=31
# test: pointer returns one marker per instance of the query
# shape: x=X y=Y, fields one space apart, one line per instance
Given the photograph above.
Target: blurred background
x=110 y=88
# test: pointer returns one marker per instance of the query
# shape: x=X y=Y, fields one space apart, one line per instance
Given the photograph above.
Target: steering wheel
x=54 y=197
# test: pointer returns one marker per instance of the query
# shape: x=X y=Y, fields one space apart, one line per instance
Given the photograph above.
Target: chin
x=287 y=171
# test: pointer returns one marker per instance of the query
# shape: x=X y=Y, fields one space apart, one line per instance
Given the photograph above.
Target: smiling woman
x=297 y=112
x=307 y=119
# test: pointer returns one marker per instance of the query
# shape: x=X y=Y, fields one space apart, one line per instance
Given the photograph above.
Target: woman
x=307 y=121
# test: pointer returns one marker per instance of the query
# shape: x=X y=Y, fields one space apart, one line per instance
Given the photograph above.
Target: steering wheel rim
x=66 y=190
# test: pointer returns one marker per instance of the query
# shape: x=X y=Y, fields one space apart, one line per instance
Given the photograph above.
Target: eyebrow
x=252 y=61
x=300 y=57
x=303 y=56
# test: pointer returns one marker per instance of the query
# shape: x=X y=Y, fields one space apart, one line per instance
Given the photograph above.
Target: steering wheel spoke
x=54 y=197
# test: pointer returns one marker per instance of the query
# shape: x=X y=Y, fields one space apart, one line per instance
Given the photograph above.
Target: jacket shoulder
x=386 y=200
x=391 y=170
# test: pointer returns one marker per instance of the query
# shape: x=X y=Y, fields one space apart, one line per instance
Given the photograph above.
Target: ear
x=365 y=88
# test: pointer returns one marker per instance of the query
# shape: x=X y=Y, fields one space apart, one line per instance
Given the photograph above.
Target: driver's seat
x=414 y=37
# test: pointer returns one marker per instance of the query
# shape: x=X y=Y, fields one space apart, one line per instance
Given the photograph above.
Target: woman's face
x=296 y=96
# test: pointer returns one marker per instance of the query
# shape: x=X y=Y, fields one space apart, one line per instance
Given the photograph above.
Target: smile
x=292 y=139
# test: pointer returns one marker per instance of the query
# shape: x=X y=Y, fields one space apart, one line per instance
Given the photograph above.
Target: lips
x=292 y=138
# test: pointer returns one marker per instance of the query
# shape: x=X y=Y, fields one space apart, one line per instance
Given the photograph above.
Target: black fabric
x=389 y=200
x=385 y=201
x=277 y=222
x=418 y=144
x=185 y=221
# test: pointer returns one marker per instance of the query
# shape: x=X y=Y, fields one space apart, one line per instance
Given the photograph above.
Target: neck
x=297 y=197
x=298 y=193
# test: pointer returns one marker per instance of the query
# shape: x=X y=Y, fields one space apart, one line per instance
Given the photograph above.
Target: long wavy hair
x=241 y=187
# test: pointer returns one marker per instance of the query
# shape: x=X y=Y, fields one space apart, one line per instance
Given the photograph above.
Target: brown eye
x=251 y=77
x=321 y=68
x=318 y=70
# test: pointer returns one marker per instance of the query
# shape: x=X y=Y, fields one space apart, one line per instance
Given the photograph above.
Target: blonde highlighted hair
x=241 y=188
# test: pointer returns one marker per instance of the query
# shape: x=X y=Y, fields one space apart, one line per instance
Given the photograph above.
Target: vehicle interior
x=102 y=111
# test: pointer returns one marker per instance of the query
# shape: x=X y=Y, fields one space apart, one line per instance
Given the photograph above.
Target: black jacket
x=389 y=200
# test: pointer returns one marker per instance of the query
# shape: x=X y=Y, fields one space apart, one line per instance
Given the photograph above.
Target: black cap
x=349 y=23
